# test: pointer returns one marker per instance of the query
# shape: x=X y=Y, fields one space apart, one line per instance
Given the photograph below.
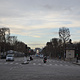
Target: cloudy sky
x=35 y=22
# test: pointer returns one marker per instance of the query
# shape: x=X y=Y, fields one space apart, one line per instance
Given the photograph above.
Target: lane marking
x=16 y=63
x=34 y=63
x=50 y=64
x=56 y=64
x=44 y=64
x=6 y=63
x=39 y=64
x=66 y=65
x=61 y=65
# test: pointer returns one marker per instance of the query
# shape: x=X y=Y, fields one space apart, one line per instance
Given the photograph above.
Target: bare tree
x=64 y=34
x=12 y=39
x=4 y=34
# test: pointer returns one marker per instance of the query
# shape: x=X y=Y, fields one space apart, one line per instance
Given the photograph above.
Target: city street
x=37 y=70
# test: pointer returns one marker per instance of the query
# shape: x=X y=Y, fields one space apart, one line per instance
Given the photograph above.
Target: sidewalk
x=77 y=63
x=74 y=61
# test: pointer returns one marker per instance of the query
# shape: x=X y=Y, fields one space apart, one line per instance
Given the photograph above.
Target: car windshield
x=10 y=55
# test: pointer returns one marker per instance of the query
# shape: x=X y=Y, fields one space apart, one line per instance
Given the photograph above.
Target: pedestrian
x=77 y=58
x=59 y=57
x=45 y=59
x=31 y=57
x=25 y=59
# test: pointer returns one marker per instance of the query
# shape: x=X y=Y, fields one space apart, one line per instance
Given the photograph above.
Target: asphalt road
x=37 y=70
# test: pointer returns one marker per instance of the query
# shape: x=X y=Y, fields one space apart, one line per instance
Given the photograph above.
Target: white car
x=10 y=57
x=41 y=55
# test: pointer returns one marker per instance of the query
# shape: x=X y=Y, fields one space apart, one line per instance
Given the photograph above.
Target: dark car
x=3 y=57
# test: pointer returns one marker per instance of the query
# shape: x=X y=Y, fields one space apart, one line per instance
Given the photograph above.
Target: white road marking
x=5 y=63
x=39 y=64
x=16 y=63
x=44 y=64
x=66 y=65
x=11 y=63
x=50 y=64
x=61 y=65
x=34 y=63
x=56 y=64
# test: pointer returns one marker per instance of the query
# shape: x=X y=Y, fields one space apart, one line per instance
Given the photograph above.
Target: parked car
x=3 y=56
x=10 y=57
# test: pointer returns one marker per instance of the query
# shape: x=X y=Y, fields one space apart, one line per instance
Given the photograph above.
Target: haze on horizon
x=35 y=22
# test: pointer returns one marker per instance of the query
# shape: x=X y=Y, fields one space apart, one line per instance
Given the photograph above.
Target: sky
x=36 y=22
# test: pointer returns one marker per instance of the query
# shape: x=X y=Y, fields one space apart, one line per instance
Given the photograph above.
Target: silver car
x=10 y=57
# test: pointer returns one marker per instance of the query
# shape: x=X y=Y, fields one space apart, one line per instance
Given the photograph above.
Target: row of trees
x=57 y=46
x=8 y=42
x=54 y=48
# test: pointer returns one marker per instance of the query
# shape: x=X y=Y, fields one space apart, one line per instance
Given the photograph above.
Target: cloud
x=39 y=19
x=36 y=36
x=36 y=45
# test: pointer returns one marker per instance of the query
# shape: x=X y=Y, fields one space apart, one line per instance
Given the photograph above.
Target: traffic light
x=76 y=54
x=26 y=46
x=29 y=50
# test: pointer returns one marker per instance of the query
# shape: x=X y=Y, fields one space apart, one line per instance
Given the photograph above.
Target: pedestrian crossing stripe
x=44 y=64
x=34 y=63
x=66 y=65
x=39 y=64
x=5 y=63
x=16 y=63
x=61 y=65
x=56 y=64
x=50 y=64
x=11 y=63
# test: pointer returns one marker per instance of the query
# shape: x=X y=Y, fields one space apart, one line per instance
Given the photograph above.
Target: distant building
x=70 y=51
x=37 y=50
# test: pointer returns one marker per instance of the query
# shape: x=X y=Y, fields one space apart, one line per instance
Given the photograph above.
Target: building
x=70 y=51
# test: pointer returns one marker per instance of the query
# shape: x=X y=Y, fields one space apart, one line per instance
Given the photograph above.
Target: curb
x=76 y=63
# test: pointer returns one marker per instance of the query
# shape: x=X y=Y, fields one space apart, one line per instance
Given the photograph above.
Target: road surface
x=37 y=70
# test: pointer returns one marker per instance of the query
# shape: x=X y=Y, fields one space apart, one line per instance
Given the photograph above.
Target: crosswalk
x=39 y=62
x=51 y=64
x=10 y=63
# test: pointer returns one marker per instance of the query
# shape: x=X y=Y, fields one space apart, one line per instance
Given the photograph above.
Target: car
x=3 y=56
x=41 y=55
x=10 y=57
